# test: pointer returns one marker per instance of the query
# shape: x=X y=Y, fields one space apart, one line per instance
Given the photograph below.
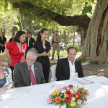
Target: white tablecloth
x=37 y=96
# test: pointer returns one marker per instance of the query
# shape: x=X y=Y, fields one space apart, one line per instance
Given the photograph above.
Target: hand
x=101 y=74
x=48 y=54
x=4 y=88
x=44 y=54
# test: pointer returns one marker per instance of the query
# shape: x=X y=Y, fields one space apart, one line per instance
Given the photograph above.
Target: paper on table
x=84 y=81
x=90 y=77
x=105 y=82
x=15 y=93
x=98 y=79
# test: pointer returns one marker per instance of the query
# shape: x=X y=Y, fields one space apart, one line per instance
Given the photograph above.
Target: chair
x=53 y=71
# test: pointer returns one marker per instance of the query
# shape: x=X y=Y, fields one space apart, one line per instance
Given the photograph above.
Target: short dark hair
x=71 y=48
x=13 y=33
x=30 y=33
x=18 y=34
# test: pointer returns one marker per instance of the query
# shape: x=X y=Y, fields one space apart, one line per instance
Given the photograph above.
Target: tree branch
x=82 y=21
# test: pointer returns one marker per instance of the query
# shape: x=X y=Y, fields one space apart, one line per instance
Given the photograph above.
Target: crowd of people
x=25 y=62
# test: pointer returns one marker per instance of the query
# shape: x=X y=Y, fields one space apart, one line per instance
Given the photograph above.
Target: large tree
x=96 y=28
x=96 y=44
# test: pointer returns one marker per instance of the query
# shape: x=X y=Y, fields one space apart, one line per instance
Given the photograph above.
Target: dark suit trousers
x=2 y=49
x=46 y=69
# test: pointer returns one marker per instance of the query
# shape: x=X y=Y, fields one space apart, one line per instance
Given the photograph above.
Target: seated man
x=67 y=67
x=29 y=72
x=103 y=74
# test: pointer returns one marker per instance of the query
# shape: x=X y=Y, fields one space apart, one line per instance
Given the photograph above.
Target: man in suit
x=67 y=67
x=29 y=72
x=12 y=38
x=30 y=41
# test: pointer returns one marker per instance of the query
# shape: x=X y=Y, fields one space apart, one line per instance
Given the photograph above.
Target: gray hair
x=33 y=52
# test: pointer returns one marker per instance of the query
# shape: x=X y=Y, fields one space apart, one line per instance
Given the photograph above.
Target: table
x=37 y=96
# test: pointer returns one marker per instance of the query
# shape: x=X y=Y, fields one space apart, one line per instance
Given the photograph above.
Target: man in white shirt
x=67 y=67
x=29 y=72
x=30 y=41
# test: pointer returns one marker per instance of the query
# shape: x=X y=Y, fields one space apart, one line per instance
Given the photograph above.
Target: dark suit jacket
x=31 y=41
x=11 y=39
x=63 y=69
x=22 y=74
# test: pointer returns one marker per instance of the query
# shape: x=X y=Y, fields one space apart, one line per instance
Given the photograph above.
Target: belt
x=55 y=42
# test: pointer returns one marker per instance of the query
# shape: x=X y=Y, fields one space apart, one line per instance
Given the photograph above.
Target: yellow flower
x=75 y=90
x=55 y=92
x=76 y=96
x=83 y=88
x=73 y=103
x=65 y=95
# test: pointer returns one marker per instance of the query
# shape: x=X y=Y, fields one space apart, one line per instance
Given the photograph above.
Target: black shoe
x=58 y=56
x=52 y=57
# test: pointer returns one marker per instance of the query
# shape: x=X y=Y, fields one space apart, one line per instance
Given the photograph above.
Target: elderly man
x=29 y=72
x=67 y=67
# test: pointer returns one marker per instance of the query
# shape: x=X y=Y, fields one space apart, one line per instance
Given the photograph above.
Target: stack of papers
x=15 y=93
x=84 y=81
x=100 y=79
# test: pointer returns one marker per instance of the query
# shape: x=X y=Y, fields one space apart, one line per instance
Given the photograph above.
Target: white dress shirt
x=72 y=69
x=44 y=47
x=28 y=41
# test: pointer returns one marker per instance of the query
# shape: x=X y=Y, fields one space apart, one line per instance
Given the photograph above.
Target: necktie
x=32 y=77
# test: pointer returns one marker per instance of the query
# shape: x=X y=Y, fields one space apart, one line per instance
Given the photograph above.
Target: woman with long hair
x=16 y=49
x=43 y=47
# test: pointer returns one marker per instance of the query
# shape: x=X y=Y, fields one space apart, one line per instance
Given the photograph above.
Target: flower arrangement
x=72 y=96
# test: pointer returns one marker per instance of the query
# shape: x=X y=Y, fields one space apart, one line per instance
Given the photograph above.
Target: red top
x=14 y=52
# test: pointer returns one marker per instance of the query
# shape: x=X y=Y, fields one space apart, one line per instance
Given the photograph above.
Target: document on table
x=105 y=82
x=97 y=79
x=15 y=93
x=84 y=81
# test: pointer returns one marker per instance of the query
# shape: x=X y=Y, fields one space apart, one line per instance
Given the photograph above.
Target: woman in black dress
x=43 y=47
x=2 y=42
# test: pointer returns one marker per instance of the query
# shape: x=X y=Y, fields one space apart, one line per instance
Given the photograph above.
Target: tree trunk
x=96 y=43
x=74 y=36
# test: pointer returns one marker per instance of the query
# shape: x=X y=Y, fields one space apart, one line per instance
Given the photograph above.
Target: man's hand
x=101 y=74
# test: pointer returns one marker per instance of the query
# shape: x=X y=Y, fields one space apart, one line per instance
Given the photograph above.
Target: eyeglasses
x=2 y=65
